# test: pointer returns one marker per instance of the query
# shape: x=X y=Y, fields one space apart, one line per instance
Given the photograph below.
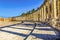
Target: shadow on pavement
x=19 y=34
x=44 y=29
x=31 y=31
x=28 y=25
x=44 y=36
x=10 y=25
x=20 y=28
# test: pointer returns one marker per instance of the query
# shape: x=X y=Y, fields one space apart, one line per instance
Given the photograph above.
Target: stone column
x=54 y=8
x=59 y=8
x=45 y=13
x=48 y=4
x=54 y=12
x=42 y=13
x=38 y=15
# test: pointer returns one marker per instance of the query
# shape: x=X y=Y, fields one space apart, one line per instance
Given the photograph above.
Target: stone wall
x=1 y=19
x=5 y=19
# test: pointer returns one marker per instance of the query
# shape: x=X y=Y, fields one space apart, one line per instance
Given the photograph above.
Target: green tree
x=23 y=13
x=32 y=10
x=28 y=12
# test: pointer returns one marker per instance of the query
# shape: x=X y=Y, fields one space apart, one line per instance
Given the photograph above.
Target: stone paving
x=28 y=31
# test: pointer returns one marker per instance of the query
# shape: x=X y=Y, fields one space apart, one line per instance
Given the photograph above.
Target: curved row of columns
x=50 y=12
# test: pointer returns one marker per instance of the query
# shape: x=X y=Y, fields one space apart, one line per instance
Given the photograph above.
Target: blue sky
x=10 y=8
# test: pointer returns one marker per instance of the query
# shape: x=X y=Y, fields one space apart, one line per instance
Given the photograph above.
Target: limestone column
x=45 y=12
x=48 y=4
x=58 y=4
x=42 y=14
x=38 y=15
x=59 y=8
x=54 y=12
x=54 y=8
